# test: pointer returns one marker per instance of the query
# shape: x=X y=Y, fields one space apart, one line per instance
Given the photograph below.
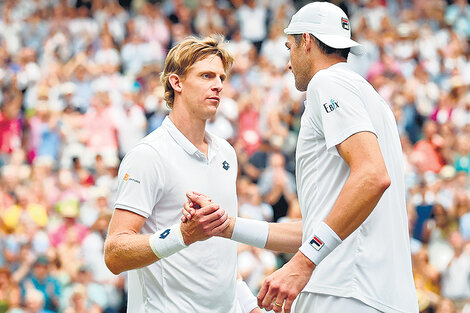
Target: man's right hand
x=205 y=222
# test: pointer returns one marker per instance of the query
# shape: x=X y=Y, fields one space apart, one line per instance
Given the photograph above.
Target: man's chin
x=300 y=87
x=210 y=114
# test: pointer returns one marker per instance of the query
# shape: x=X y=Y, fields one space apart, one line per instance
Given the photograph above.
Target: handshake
x=203 y=219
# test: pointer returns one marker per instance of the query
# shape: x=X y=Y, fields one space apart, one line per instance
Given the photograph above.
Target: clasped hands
x=207 y=219
x=202 y=219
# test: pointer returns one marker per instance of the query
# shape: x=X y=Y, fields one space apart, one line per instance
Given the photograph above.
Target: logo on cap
x=345 y=23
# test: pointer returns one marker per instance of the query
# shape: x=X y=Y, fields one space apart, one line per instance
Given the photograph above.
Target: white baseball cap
x=328 y=23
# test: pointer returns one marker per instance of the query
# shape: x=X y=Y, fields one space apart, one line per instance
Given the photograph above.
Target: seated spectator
x=455 y=278
x=41 y=280
x=69 y=211
x=426 y=154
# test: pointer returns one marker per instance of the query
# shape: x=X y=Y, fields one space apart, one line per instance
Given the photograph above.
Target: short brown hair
x=190 y=50
x=323 y=47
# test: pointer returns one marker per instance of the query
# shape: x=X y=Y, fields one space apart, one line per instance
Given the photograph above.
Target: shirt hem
x=132 y=209
x=331 y=145
x=328 y=290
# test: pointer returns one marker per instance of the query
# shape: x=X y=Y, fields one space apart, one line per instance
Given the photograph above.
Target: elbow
x=110 y=260
x=381 y=181
x=377 y=181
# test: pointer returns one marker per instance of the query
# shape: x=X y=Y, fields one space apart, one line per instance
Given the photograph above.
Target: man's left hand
x=285 y=284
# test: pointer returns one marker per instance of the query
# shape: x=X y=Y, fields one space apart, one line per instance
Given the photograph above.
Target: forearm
x=357 y=199
x=282 y=237
x=125 y=252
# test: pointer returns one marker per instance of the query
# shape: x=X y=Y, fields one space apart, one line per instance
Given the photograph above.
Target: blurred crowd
x=79 y=86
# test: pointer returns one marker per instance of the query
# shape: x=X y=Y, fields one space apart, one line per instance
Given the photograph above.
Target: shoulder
x=223 y=144
x=339 y=75
x=337 y=82
x=150 y=145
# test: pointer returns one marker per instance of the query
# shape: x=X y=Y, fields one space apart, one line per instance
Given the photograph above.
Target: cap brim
x=338 y=42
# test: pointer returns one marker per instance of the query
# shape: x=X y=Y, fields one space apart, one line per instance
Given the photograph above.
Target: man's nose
x=218 y=84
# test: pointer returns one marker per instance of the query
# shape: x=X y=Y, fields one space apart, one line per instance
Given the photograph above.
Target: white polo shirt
x=153 y=180
x=374 y=263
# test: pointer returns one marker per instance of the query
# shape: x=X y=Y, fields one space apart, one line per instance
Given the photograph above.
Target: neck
x=191 y=127
x=325 y=61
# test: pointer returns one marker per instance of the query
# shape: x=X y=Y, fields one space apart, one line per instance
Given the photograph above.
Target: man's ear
x=308 y=41
x=175 y=82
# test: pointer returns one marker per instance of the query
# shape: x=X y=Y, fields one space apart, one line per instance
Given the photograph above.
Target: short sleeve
x=343 y=112
x=140 y=181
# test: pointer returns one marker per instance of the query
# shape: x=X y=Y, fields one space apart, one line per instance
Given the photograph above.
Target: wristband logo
x=165 y=234
x=316 y=243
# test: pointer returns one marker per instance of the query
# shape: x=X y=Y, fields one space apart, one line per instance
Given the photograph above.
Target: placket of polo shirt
x=198 y=154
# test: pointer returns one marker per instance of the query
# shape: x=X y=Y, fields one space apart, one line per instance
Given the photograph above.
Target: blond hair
x=182 y=57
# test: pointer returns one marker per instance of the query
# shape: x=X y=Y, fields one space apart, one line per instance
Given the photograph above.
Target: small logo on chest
x=331 y=106
x=225 y=165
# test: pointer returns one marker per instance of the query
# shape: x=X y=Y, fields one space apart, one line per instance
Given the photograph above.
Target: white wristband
x=251 y=232
x=245 y=297
x=320 y=244
x=168 y=241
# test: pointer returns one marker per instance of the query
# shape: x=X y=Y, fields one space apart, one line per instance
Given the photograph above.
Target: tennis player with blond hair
x=171 y=268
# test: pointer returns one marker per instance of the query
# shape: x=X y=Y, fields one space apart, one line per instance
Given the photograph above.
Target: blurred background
x=79 y=86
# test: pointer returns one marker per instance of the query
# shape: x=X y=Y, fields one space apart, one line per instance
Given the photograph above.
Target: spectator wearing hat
x=41 y=280
x=69 y=210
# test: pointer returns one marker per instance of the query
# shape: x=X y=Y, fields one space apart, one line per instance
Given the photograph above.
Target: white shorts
x=308 y=302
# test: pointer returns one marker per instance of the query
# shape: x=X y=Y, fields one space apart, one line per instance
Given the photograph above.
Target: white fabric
x=374 y=263
x=455 y=279
x=153 y=180
x=167 y=242
x=250 y=232
x=327 y=22
x=246 y=299
x=318 y=246
x=318 y=303
x=252 y=22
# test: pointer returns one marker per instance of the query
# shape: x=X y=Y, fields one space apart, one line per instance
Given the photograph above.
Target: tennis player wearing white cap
x=355 y=255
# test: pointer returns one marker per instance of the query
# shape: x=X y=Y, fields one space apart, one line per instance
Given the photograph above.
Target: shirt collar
x=187 y=145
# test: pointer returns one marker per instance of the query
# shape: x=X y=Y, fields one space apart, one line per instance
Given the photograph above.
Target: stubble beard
x=301 y=83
